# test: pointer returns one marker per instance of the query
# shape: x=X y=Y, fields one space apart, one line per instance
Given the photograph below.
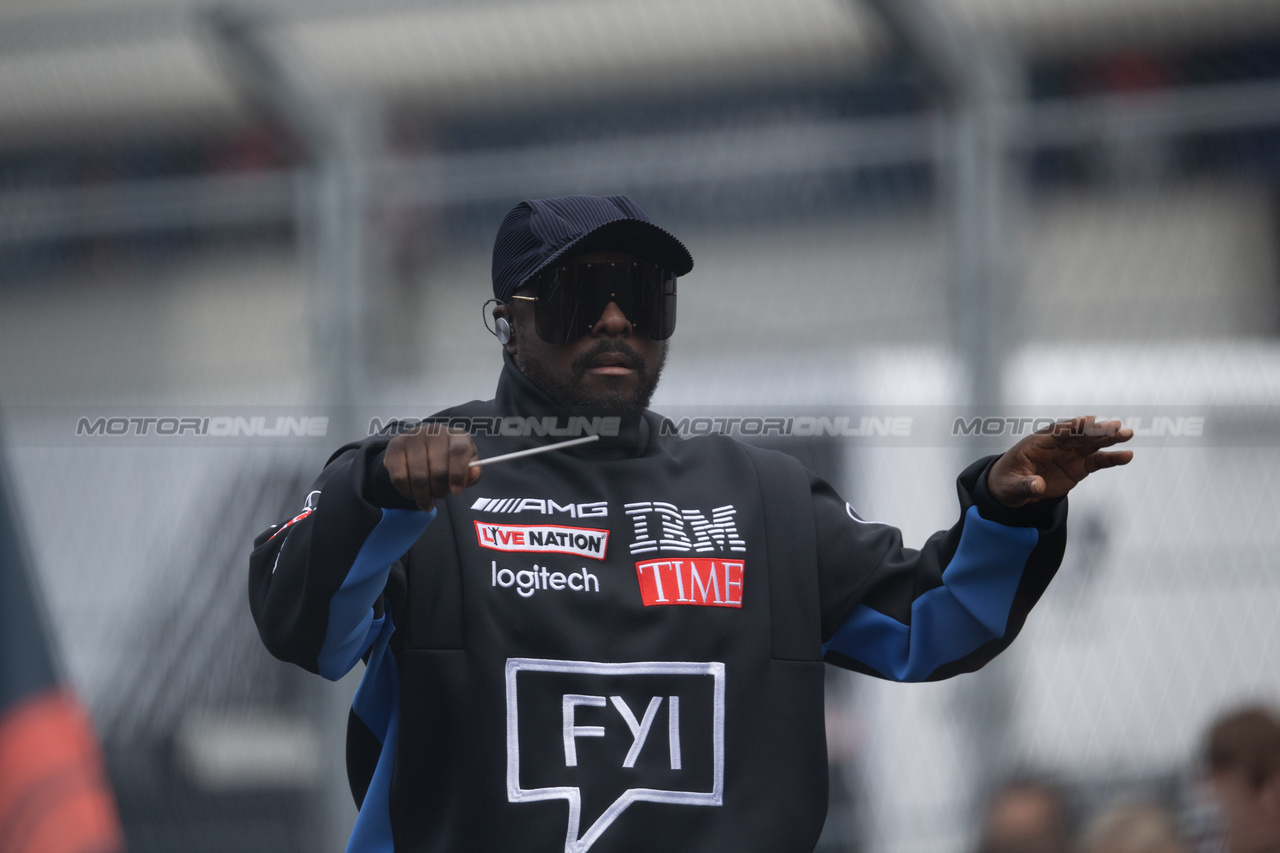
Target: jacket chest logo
x=666 y=527
x=586 y=542
x=603 y=736
x=708 y=581
x=711 y=582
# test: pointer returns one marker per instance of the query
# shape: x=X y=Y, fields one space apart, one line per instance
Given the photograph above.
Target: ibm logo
x=665 y=526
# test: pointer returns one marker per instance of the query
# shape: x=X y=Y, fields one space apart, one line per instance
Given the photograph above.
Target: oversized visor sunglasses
x=570 y=298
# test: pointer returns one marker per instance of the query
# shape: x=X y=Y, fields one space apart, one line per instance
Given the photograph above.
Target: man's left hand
x=1048 y=464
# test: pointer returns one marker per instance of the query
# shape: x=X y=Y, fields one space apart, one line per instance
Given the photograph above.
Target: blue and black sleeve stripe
x=950 y=607
x=315 y=590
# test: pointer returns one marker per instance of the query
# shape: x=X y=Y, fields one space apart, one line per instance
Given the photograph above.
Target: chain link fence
x=223 y=211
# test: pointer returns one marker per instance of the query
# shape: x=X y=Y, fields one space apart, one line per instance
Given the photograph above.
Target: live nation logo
x=602 y=736
x=709 y=583
x=543 y=539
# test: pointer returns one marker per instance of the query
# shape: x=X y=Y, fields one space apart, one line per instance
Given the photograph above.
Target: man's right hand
x=431 y=462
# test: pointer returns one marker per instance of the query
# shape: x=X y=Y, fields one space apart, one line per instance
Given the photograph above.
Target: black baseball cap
x=538 y=232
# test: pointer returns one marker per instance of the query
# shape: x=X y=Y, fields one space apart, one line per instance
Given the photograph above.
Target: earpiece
x=501 y=327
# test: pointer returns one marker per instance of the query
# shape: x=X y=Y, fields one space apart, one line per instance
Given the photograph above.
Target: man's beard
x=571 y=391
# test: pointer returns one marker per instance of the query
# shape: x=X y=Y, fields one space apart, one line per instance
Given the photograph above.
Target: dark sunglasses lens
x=558 y=314
x=654 y=302
x=572 y=298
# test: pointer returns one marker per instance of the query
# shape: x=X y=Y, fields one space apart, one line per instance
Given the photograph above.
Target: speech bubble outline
x=572 y=843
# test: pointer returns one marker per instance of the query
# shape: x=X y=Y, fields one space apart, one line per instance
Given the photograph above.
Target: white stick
x=531 y=451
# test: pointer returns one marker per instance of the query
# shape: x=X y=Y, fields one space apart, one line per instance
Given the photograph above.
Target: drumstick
x=543 y=449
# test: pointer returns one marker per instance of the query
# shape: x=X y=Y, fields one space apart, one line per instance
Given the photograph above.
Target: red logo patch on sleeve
x=291 y=522
x=706 y=582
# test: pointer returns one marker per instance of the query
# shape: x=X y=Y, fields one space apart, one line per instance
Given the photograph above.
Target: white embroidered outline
x=572 y=843
x=848 y=508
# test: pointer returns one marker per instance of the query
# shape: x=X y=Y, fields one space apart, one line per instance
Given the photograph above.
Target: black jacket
x=620 y=647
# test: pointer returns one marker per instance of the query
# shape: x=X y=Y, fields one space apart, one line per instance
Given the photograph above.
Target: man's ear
x=504 y=327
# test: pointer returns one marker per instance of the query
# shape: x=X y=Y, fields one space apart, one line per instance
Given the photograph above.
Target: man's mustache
x=584 y=362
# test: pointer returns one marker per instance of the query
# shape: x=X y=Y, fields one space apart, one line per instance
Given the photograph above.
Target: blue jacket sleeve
x=317 y=581
x=922 y=615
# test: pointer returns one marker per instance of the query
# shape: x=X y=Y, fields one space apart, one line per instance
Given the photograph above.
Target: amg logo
x=707 y=583
x=543 y=539
x=508 y=506
x=683 y=530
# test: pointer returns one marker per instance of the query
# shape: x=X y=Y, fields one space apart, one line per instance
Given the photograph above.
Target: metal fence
x=898 y=210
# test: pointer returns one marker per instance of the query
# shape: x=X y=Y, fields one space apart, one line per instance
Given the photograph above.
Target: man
x=620 y=646
x=1242 y=765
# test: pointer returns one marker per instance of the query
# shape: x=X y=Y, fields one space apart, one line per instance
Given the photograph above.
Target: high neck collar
x=517 y=394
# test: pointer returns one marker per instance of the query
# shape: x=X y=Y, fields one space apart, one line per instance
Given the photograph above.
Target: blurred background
x=906 y=208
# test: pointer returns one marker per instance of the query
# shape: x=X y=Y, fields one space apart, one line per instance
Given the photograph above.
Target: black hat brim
x=645 y=240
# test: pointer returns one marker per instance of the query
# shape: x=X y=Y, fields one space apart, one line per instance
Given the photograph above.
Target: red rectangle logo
x=705 y=582
x=543 y=539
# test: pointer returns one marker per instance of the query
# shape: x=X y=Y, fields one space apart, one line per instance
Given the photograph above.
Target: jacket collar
x=517 y=394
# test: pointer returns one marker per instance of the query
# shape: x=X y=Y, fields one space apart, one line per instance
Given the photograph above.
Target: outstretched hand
x=1047 y=464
